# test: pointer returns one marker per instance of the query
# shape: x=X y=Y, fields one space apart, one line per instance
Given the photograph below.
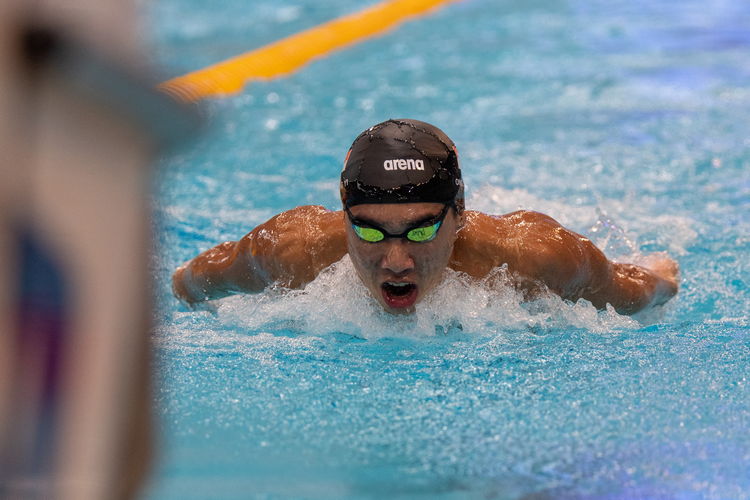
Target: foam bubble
x=337 y=301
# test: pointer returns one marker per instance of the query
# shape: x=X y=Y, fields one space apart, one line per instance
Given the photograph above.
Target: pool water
x=625 y=120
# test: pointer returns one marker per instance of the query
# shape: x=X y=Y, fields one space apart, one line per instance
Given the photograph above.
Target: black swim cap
x=402 y=161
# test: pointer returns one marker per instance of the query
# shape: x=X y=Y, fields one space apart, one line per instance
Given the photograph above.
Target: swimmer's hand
x=664 y=268
x=180 y=290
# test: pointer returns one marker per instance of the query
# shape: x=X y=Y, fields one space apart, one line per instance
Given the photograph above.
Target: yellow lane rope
x=283 y=57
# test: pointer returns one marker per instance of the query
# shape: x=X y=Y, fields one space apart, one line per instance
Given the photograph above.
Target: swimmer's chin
x=404 y=311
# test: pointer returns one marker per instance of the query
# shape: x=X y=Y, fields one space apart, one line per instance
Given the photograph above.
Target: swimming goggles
x=421 y=232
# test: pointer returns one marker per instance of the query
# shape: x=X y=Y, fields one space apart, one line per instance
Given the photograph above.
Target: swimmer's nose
x=397 y=258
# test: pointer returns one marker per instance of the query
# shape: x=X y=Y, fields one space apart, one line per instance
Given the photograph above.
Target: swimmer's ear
x=342 y=193
x=460 y=219
x=458 y=209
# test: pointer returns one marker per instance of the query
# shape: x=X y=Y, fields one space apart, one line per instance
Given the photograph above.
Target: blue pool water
x=625 y=120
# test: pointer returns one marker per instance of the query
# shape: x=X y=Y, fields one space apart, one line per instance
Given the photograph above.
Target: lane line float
x=287 y=55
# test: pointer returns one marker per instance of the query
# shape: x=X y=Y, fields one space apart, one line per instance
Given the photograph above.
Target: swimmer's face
x=399 y=272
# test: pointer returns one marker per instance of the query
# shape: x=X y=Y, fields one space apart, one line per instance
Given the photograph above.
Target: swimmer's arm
x=540 y=254
x=289 y=250
x=216 y=273
x=574 y=267
x=631 y=288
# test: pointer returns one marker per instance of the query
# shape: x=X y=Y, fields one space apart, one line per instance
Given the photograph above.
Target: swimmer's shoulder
x=493 y=230
x=295 y=245
x=324 y=229
x=490 y=241
x=309 y=228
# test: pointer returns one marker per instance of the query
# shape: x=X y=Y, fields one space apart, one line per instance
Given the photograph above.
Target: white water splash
x=337 y=301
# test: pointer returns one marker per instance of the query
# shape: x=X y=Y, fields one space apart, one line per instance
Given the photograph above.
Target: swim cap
x=402 y=161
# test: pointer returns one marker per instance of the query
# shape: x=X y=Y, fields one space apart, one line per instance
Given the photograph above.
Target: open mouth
x=399 y=295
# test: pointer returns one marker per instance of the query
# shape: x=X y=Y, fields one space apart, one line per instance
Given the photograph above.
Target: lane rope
x=287 y=55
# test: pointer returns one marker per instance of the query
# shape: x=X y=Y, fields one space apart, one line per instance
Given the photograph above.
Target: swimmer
x=403 y=223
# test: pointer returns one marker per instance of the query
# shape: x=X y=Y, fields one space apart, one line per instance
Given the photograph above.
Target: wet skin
x=292 y=248
x=387 y=265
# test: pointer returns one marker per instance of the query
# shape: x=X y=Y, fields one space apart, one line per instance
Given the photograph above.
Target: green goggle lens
x=421 y=234
x=368 y=233
x=418 y=235
x=425 y=231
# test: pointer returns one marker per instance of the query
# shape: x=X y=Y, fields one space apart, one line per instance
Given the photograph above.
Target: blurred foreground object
x=78 y=133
